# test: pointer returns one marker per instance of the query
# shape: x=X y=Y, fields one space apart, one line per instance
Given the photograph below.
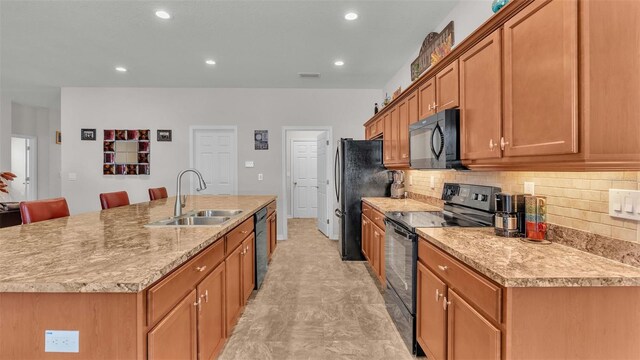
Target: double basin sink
x=198 y=218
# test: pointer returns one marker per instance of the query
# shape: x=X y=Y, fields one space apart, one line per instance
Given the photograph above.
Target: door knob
x=295 y=183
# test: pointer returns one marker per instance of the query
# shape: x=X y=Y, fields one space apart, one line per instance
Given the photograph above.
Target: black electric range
x=465 y=206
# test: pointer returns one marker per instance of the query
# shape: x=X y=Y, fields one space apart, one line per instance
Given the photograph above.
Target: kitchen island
x=129 y=291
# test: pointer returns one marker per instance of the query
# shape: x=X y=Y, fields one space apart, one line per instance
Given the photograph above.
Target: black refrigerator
x=358 y=173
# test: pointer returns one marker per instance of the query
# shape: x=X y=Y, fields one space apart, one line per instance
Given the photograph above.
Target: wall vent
x=309 y=75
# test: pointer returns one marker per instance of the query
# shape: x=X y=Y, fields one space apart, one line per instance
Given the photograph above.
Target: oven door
x=427 y=144
x=401 y=256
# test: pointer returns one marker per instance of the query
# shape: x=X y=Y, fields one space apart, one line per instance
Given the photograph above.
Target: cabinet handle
x=404 y=156
x=201 y=268
x=205 y=296
x=435 y=105
x=438 y=295
x=503 y=143
x=492 y=145
x=429 y=107
x=245 y=231
x=443 y=267
x=198 y=304
x=445 y=303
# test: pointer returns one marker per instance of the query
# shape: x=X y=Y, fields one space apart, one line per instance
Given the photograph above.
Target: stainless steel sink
x=198 y=220
x=209 y=213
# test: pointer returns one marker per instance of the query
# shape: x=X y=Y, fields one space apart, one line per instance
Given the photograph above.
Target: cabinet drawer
x=235 y=236
x=483 y=294
x=366 y=210
x=271 y=208
x=163 y=296
x=378 y=218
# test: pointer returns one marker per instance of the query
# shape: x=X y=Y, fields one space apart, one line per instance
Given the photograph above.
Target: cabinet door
x=248 y=267
x=233 y=287
x=412 y=107
x=431 y=318
x=541 y=79
x=391 y=136
x=481 y=99
x=470 y=335
x=211 y=320
x=365 y=237
x=274 y=232
x=403 y=133
x=447 y=89
x=176 y=335
x=375 y=250
x=427 y=99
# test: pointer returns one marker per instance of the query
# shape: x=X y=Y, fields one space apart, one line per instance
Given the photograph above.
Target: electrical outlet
x=260 y=177
x=432 y=182
x=62 y=341
x=529 y=187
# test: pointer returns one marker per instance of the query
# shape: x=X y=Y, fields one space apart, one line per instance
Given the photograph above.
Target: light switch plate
x=432 y=182
x=249 y=164
x=62 y=341
x=624 y=204
x=73 y=176
x=260 y=177
x=529 y=187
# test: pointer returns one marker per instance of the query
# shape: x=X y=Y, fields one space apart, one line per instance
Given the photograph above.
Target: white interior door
x=23 y=164
x=215 y=156
x=305 y=178
x=322 y=184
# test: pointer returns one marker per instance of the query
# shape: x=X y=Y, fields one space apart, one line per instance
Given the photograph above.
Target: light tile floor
x=312 y=305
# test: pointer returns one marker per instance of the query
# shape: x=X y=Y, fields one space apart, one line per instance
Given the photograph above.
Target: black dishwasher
x=261 y=245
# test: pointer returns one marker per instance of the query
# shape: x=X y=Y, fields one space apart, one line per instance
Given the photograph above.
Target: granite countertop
x=385 y=204
x=110 y=250
x=514 y=263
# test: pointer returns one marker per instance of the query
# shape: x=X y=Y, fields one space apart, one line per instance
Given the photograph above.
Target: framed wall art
x=88 y=134
x=261 y=138
x=164 y=135
x=126 y=152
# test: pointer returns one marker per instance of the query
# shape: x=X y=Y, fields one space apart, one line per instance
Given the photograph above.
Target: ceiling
x=256 y=44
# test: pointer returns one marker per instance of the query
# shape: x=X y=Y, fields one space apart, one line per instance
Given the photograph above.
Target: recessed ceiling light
x=210 y=62
x=121 y=69
x=338 y=63
x=351 y=16
x=163 y=15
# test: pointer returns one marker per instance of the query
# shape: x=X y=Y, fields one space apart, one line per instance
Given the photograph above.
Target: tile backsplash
x=578 y=200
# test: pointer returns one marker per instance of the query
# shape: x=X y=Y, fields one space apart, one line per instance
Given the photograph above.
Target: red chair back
x=114 y=199
x=41 y=210
x=157 y=193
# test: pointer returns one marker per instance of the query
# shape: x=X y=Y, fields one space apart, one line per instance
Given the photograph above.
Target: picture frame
x=88 y=134
x=58 y=137
x=165 y=135
x=261 y=139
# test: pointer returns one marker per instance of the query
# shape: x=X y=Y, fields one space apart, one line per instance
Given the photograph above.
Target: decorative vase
x=498 y=4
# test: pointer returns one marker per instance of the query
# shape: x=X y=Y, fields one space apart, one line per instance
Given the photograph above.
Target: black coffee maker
x=509 y=220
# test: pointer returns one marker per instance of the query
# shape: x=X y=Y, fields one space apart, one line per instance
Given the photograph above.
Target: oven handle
x=401 y=230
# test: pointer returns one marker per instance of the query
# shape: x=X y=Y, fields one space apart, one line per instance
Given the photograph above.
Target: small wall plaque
x=58 y=137
x=164 y=135
x=88 y=134
x=261 y=138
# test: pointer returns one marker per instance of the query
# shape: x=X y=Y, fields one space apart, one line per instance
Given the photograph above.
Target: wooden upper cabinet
x=427 y=99
x=541 y=79
x=211 y=321
x=470 y=336
x=176 y=335
x=412 y=107
x=391 y=123
x=431 y=317
x=403 y=133
x=481 y=99
x=447 y=89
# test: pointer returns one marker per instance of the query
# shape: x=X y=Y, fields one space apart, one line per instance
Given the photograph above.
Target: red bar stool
x=157 y=193
x=41 y=210
x=114 y=199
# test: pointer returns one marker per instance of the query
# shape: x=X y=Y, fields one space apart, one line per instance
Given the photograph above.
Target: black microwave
x=434 y=143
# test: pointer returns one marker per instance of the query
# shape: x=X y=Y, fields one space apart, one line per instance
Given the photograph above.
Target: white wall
x=467 y=16
x=295 y=135
x=177 y=109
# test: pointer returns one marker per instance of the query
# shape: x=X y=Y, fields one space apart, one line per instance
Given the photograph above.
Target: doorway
x=24 y=163
x=305 y=182
x=214 y=152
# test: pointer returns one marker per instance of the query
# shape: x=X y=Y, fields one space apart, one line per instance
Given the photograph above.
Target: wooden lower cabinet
x=431 y=324
x=176 y=335
x=373 y=242
x=211 y=319
x=234 y=298
x=248 y=267
x=470 y=335
x=272 y=233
